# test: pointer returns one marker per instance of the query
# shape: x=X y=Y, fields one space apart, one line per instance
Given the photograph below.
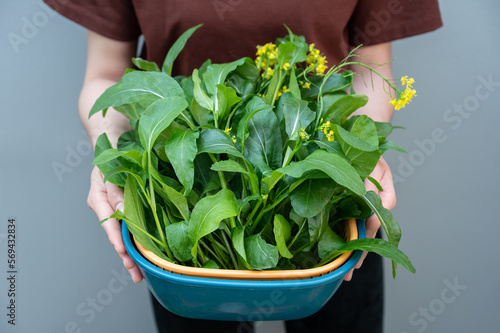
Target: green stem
x=290 y=156
x=257 y=220
x=155 y=215
x=250 y=217
x=144 y=232
x=229 y=247
x=215 y=255
x=203 y=259
x=289 y=245
x=278 y=86
x=223 y=184
x=191 y=125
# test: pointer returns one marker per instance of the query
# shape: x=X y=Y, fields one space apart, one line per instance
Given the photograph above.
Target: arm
x=107 y=60
x=378 y=109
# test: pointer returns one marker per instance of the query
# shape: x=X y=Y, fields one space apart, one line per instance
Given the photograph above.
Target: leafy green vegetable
x=252 y=164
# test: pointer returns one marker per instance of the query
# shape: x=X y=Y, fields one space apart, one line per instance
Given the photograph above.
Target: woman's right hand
x=104 y=199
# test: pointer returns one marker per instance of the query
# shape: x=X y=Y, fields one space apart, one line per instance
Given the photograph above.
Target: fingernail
x=120 y=207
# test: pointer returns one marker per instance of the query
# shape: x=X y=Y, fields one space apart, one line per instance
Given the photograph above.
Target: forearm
x=107 y=60
x=114 y=124
x=372 y=85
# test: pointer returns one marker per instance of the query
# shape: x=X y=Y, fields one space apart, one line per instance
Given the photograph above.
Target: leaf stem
x=155 y=215
x=229 y=247
x=224 y=186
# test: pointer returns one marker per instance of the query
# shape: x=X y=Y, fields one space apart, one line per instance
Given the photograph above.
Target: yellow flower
x=405 y=96
x=268 y=73
x=234 y=139
x=283 y=90
x=303 y=135
x=325 y=127
x=330 y=136
x=286 y=66
x=306 y=85
x=227 y=130
x=266 y=58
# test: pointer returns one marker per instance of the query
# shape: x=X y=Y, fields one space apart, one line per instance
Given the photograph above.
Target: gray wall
x=447 y=186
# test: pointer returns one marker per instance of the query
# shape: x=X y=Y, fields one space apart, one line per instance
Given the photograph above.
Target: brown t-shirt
x=233 y=28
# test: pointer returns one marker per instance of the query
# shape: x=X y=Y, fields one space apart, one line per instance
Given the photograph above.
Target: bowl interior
x=351 y=232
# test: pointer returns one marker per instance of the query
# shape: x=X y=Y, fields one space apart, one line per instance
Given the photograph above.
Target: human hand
x=382 y=173
x=104 y=199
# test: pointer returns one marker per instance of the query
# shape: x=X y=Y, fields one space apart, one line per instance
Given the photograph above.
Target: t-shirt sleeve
x=114 y=19
x=380 y=21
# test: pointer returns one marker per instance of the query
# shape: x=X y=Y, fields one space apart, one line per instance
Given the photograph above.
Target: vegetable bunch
x=252 y=164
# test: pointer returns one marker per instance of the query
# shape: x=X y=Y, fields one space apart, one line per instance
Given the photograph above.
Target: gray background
x=447 y=183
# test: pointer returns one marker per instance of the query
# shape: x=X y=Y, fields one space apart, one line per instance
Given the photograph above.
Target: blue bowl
x=240 y=300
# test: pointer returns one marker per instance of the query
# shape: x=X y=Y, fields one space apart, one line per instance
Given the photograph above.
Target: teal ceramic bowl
x=240 y=300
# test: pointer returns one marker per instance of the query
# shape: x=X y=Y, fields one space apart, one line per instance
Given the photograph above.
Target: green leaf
x=176 y=49
x=229 y=166
x=331 y=147
x=157 y=118
x=310 y=197
x=129 y=139
x=210 y=264
x=344 y=107
x=391 y=227
x=103 y=144
x=199 y=94
x=199 y=113
x=375 y=182
x=179 y=241
x=226 y=98
x=379 y=246
x=260 y=254
x=318 y=224
x=217 y=74
x=179 y=201
x=297 y=116
x=269 y=182
x=331 y=164
x=181 y=150
x=216 y=141
x=328 y=101
x=329 y=242
x=282 y=231
x=145 y=65
x=293 y=85
x=362 y=155
x=248 y=70
x=335 y=82
x=292 y=53
x=386 y=145
x=263 y=145
x=202 y=171
x=140 y=89
x=134 y=215
x=208 y=213
x=364 y=128
x=112 y=154
x=255 y=105
x=238 y=240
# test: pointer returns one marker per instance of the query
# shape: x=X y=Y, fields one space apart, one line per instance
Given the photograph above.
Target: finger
x=132 y=268
x=372 y=225
x=115 y=196
x=360 y=262
x=348 y=277
x=105 y=199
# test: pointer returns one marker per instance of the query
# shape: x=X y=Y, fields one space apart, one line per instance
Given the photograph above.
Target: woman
x=232 y=29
